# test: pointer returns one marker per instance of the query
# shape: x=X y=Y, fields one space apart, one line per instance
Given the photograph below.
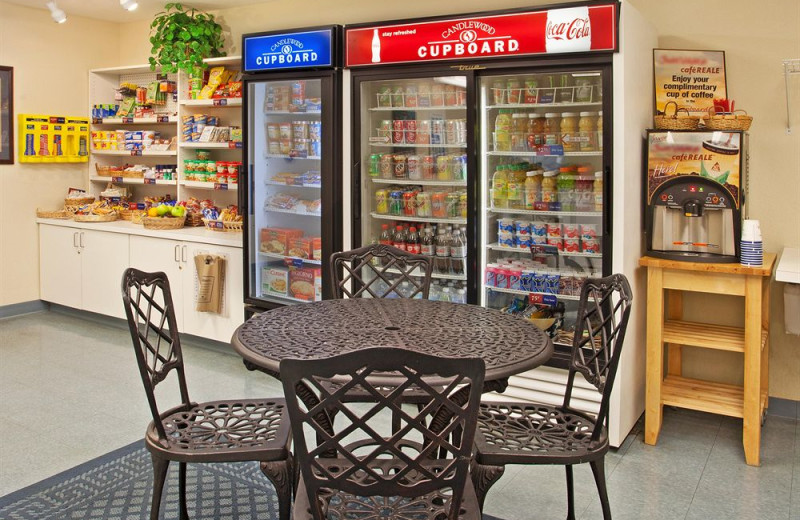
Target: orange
x=152 y=212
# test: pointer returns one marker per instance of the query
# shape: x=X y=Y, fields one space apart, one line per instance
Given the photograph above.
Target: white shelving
x=215 y=103
x=216 y=186
x=590 y=214
x=420 y=182
x=525 y=293
x=527 y=251
x=133 y=180
x=276 y=256
x=441 y=220
x=137 y=153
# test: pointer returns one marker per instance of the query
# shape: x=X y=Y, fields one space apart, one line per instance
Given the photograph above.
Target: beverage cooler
x=292 y=115
x=490 y=142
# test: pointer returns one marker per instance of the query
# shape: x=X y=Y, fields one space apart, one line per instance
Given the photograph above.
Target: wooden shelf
x=704 y=396
x=704 y=335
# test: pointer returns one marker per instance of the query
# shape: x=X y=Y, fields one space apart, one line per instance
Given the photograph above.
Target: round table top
x=507 y=344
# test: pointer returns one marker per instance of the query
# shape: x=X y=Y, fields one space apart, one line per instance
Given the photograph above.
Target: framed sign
x=6 y=115
x=692 y=79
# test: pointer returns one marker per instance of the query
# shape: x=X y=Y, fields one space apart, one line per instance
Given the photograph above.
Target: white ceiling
x=110 y=10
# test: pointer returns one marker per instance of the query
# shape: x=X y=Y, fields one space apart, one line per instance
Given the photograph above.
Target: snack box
x=316 y=248
x=300 y=247
x=275 y=280
x=276 y=240
x=305 y=283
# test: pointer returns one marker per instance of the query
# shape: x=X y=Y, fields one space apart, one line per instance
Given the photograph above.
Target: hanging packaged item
x=211 y=280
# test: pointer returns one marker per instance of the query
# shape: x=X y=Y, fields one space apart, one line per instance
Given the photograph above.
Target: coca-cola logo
x=576 y=29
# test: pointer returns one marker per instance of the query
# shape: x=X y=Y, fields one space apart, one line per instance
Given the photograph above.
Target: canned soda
x=428 y=167
x=414 y=171
x=409 y=198
x=423 y=131
x=398 y=94
x=387 y=166
x=384 y=96
x=410 y=127
x=450 y=132
x=411 y=96
x=374 y=165
x=450 y=96
x=385 y=129
x=443 y=167
x=462 y=204
x=439 y=204
x=382 y=202
x=452 y=204
x=461 y=96
x=459 y=167
x=437 y=131
x=398 y=127
x=424 y=95
x=437 y=95
x=424 y=204
x=400 y=167
x=396 y=203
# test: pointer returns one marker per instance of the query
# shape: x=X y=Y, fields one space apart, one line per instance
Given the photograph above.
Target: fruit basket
x=59 y=214
x=163 y=222
x=230 y=226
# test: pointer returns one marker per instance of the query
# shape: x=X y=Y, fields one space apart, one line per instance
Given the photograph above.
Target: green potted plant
x=182 y=37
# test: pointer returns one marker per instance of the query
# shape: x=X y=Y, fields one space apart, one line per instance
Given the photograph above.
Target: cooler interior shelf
x=706 y=396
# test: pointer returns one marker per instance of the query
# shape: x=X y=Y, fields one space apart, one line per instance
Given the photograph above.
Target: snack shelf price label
x=234 y=144
x=220 y=186
x=136 y=153
x=220 y=102
x=116 y=179
x=546 y=299
x=97 y=120
x=127 y=120
x=162 y=119
x=149 y=181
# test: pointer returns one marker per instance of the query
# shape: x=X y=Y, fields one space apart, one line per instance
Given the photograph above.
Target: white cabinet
x=82 y=268
x=176 y=259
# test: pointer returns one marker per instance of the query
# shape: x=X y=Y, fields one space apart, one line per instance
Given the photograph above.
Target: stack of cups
x=752 y=252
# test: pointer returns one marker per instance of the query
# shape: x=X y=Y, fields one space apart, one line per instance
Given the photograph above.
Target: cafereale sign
x=589 y=28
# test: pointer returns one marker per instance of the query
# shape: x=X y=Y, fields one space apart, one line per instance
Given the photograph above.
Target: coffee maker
x=694 y=200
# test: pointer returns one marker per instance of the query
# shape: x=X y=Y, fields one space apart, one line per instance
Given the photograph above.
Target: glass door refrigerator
x=292 y=116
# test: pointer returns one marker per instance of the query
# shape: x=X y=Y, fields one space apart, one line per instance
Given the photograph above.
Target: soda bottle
x=442 y=252
x=386 y=235
x=412 y=242
x=399 y=238
x=458 y=252
x=428 y=246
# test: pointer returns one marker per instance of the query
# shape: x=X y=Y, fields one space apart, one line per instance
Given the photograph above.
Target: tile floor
x=71 y=392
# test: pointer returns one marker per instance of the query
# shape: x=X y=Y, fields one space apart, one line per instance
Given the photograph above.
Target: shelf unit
x=666 y=325
x=102 y=85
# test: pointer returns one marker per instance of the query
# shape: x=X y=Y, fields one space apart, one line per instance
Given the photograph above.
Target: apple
x=163 y=209
x=178 y=211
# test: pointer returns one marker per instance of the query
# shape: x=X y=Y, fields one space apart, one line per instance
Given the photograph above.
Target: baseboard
x=17 y=309
x=780 y=407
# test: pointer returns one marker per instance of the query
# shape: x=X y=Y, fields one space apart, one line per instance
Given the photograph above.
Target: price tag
x=220 y=186
x=97 y=120
x=127 y=120
x=220 y=102
x=234 y=144
x=136 y=153
x=293 y=262
x=162 y=119
x=149 y=181
x=116 y=179
x=546 y=299
x=161 y=77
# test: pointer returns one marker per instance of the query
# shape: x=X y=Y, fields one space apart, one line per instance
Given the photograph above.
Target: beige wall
x=756 y=36
x=51 y=63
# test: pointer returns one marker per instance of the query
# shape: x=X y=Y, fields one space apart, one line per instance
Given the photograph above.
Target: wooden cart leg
x=674 y=350
x=655 y=354
x=751 y=434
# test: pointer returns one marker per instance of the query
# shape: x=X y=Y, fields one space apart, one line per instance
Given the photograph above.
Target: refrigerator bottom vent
x=547 y=385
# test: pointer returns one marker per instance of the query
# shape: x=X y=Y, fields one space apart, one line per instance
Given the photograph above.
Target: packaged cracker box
x=276 y=240
x=301 y=247
x=305 y=283
x=275 y=280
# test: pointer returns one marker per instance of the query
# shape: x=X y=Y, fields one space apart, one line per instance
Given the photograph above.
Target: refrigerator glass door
x=284 y=154
x=414 y=173
x=541 y=164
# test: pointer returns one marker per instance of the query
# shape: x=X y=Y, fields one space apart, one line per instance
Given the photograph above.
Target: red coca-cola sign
x=588 y=28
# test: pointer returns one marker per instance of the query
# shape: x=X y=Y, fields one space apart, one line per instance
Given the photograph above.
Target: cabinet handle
x=183 y=254
x=177 y=254
x=75 y=240
x=81 y=241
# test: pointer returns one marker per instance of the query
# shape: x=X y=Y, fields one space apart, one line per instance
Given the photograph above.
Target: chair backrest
x=154 y=332
x=380 y=271
x=603 y=312
x=360 y=455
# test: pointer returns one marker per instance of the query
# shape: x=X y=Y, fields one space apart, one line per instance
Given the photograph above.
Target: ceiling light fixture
x=128 y=5
x=58 y=15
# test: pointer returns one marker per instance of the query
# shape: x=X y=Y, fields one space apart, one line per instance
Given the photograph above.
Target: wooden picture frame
x=687 y=77
x=6 y=115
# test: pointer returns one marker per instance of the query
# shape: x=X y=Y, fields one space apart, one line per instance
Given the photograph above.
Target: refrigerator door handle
x=356 y=196
x=606 y=198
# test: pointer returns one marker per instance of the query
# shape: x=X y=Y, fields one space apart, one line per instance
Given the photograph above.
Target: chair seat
x=225 y=431
x=344 y=506
x=516 y=433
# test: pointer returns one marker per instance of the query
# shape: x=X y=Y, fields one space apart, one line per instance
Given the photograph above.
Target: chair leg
x=570 y=493
x=184 y=512
x=598 y=468
x=483 y=477
x=281 y=474
x=160 y=467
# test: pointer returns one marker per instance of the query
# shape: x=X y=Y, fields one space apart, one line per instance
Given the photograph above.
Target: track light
x=128 y=5
x=58 y=15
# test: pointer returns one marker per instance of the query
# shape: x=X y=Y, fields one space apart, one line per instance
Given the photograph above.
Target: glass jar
x=565 y=184
x=552 y=128
x=569 y=132
x=587 y=126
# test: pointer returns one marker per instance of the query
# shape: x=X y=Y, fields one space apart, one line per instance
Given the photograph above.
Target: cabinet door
x=59 y=265
x=105 y=258
x=156 y=254
x=211 y=325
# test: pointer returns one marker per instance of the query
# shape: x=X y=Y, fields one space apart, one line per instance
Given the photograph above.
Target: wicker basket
x=194 y=219
x=224 y=225
x=130 y=214
x=110 y=217
x=676 y=121
x=163 y=222
x=107 y=171
x=78 y=201
x=727 y=121
x=60 y=214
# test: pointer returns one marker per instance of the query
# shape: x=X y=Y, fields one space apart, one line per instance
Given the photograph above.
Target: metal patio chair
x=217 y=431
x=379 y=271
x=522 y=433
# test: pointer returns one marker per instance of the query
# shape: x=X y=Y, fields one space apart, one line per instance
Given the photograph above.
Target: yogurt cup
x=589 y=231
x=570 y=231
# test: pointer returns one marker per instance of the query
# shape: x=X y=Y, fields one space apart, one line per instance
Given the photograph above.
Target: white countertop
x=189 y=234
x=788 y=269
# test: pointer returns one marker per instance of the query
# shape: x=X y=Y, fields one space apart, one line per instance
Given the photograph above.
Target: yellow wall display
x=52 y=139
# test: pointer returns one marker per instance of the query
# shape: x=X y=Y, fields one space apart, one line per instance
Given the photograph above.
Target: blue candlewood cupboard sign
x=288 y=50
